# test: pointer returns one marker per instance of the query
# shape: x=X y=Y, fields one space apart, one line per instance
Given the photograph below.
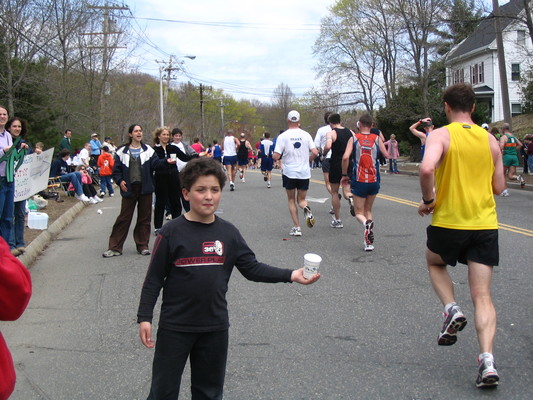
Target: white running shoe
x=336 y=223
x=98 y=199
x=505 y=193
x=487 y=373
x=368 y=246
x=309 y=219
x=82 y=197
x=92 y=200
x=295 y=231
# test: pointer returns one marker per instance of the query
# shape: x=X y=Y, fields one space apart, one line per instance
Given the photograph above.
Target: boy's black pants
x=208 y=353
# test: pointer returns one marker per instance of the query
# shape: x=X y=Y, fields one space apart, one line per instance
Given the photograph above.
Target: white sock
x=486 y=356
x=448 y=306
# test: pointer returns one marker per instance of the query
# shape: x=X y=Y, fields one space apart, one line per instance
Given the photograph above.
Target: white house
x=475 y=59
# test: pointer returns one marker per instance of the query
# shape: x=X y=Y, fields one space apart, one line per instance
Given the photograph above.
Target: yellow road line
x=505 y=227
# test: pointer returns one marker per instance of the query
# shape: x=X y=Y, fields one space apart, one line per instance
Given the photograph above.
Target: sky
x=245 y=48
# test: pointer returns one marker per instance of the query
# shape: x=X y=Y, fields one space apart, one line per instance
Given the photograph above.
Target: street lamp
x=168 y=68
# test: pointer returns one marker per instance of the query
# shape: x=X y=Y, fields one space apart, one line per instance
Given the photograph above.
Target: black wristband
x=344 y=174
x=428 y=201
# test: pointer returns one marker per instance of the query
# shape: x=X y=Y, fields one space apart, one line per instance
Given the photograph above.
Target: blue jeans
x=105 y=181
x=16 y=238
x=7 y=204
x=393 y=165
x=75 y=179
x=530 y=164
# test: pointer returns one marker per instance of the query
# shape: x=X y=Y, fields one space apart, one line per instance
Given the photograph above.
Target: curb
x=36 y=247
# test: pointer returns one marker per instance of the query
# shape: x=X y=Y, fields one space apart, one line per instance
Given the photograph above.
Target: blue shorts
x=267 y=163
x=229 y=160
x=363 y=190
x=290 y=183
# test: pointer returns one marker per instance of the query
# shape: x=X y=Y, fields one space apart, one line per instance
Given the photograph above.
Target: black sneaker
x=455 y=321
x=487 y=375
x=521 y=180
x=309 y=219
x=369 y=234
x=352 y=208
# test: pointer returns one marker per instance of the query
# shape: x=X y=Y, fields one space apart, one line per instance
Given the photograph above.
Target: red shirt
x=15 y=293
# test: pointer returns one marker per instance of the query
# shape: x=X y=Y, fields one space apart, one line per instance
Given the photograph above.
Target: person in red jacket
x=15 y=293
x=105 y=165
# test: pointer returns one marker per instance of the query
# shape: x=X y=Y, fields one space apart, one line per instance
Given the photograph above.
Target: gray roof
x=485 y=33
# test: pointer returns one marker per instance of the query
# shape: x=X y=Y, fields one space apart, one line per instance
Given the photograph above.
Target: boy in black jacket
x=192 y=261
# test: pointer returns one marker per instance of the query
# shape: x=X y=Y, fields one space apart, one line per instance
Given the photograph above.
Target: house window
x=515 y=72
x=477 y=73
x=521 y=37
x=516 y=109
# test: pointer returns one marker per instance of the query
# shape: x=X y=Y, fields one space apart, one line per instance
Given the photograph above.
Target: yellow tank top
x=463 y=181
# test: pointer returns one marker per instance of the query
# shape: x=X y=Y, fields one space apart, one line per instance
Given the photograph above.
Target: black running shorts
x=455 y=245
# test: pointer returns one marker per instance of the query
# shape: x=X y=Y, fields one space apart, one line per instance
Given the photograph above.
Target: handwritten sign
x=32 y=175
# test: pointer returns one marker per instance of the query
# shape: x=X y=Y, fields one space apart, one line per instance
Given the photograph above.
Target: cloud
x=255 y=47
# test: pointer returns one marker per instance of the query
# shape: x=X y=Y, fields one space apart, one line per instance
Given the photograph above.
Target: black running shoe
x=487 y=375
x=455 y=321
x=352 y=208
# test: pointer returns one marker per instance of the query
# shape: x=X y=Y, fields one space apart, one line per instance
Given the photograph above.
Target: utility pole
x=501 y=63
x=202 y=112
x=222 y=105
x=106 y=31
x=168 y=68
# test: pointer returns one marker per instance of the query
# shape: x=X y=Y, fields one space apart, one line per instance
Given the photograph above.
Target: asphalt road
x=366 y=330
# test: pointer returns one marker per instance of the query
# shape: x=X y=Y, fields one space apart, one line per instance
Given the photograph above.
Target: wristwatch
x=426 y=202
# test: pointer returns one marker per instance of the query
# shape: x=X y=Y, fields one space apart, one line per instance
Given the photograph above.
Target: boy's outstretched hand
x=298 y=276
x=145 y=332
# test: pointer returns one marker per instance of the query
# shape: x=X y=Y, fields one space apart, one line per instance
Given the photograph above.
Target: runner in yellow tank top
x=464 y=164
x=464 y=181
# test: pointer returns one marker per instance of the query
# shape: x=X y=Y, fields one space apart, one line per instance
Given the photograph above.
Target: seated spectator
x=85 y=155
x=59 y=169
x=87 y=185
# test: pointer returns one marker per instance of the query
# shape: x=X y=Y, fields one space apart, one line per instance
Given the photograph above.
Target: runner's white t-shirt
x=295 y=145
x=320 y=138
x=230 y=149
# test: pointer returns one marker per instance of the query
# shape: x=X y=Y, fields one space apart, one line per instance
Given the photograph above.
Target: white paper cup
x=311 y=265
x=173 y=156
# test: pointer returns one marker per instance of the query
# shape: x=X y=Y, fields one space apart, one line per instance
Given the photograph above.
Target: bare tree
x=282 y=100
x=23 y=35
x=357 y=50
x=421 y=21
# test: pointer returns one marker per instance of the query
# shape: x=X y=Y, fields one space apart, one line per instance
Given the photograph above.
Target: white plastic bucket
x=37 y=220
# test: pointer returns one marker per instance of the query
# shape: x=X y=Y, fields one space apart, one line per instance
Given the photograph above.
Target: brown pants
x=141 y=233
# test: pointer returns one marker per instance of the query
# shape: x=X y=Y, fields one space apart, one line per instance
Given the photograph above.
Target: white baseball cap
x=294 y=116
x=485 y=126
